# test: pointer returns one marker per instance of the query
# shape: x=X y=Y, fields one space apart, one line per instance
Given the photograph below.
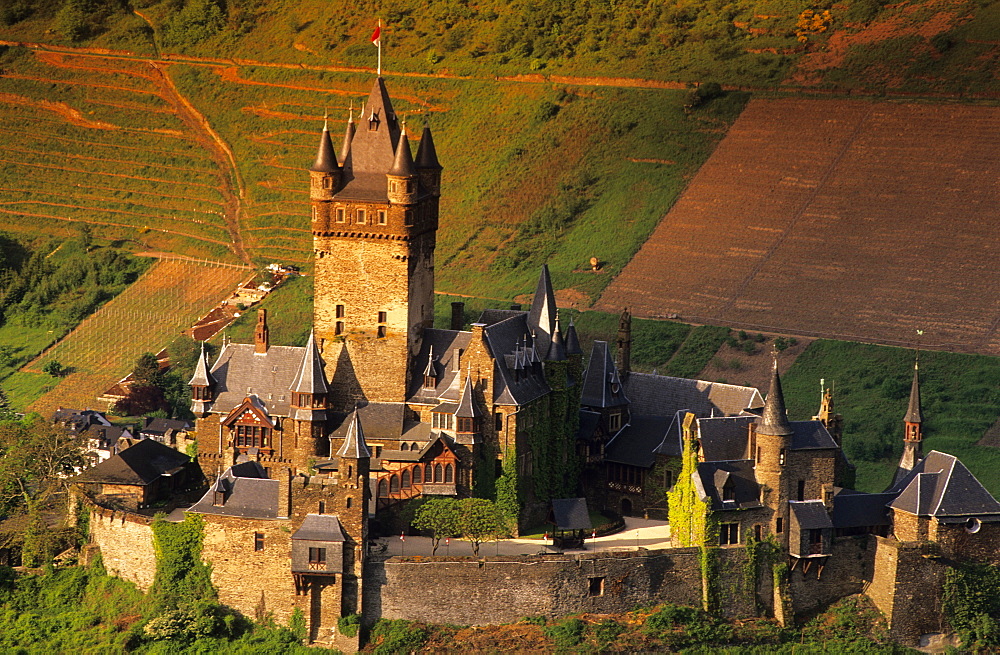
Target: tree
x=480 y=520
x=142 y=399
x=54 y=368
x=438 y=516
x=146 y=371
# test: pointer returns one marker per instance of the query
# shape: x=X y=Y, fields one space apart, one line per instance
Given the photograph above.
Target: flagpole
x=380 y=47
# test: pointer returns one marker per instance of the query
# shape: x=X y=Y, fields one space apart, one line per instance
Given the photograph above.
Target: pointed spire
x=426 y=153
x=345 y=147
x=467 y=407
x=557 y=349
x=542 y=315
x=533 y=357
x=774 y=421
x=403 y=164
x=310 y=378
x=326 y=158
x=354 y=445
x=572 y=341
x=202 y=375
x=375 y=142
x=914 y=412
x=430 y=371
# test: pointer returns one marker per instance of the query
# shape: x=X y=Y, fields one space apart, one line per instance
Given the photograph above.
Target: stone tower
x=374 y=223
x=773 y=443
x=307 y=408
x=350 y=503
x=913 y=436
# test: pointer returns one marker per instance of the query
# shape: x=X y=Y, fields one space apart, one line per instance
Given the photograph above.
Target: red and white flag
x=377 y=35
x=402 y=537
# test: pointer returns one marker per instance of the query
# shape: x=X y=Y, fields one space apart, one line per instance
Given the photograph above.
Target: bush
x=397 y=636
x=348 y=625
x=565 y=634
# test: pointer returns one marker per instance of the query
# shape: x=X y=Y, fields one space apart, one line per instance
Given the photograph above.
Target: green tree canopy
x=439 y=517
x=481 y=520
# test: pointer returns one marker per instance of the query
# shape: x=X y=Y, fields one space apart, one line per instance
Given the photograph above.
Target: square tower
x=374 y=223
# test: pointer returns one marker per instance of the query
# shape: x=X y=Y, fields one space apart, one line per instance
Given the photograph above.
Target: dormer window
x=430 y=382
x=441 y=421
x=729 y=490
x=373 y=122
x=467 y=424
x=220 y=498
x=615 y=422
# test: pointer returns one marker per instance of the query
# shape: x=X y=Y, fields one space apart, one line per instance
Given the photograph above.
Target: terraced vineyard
x=169 y=297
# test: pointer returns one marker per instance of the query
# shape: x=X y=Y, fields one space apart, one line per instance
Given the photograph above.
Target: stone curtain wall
x=844 y=574
x=499 y=590
x=126 y=544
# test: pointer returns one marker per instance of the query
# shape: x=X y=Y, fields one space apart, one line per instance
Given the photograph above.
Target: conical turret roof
x=326 y=158
x=354 y=445
x=202 y=376
x=310 y=378
x=557 y=349
x=467 y=407
x=774 y=421
x=402 y=166
x=430 y=370
x=426 y=153
x=914 y=412
x=345 y=147
x=572 y=341
x=542 y=315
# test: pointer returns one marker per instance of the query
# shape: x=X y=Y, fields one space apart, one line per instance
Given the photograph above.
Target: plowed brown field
x=844 y=219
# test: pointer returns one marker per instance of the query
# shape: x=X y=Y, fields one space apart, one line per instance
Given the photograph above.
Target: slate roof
x=326 y=158
x=138 y=465
x=201 y=375
x=724 y=437
x=79 y=419
x=247 y=491
x=810 y=514
x=570 y=514
x=240 y=372
x=663 y=395
x=774 y=420
x=636 y=443
x=514 y=381
x=402 y=165
x=426 y=152
x=345 y=145
x=602 y=386
x=810 y=435
x=319 y=527
x=442 y=343
x=542 y=315
x=673 y=440
x=310 y=377
x=852 y=509
x=589 y=422
x=467 y=407
x=572 y=341
x=914 y=412
x=372 y=152
x=354 y=445
x=380 y=420
x=159 y=426
x=942 y=487
x=491 y=316
x=106 y=435
x=712 y=476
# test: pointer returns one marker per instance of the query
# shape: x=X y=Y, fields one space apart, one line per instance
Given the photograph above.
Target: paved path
x=638 y=533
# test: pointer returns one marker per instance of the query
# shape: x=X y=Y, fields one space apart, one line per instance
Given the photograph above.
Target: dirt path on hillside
x=221 y=153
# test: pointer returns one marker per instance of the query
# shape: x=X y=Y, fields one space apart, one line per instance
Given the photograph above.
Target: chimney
x=457 y=315
x=260 y=336
x=284 y=477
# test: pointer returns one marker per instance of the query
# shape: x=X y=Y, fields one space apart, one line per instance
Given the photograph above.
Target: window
x=327 y=182
x=394 y=484
x=729 y=490
x=383 y=489
x=408 y=218
x=778 y=525
x=339 y=328
x=361 y=217
x=438 y=473
x=417 y=477
x=596 y=587
x=615 y=422
x=220 y=499
x=341 y=215
x=449 y=474
x=466 y=424
x=380 y=332
x=382 y=316
x=668 y=479
x=340 y=311
x=430 y=382
x=729 y=534
x=758 y=532
x=405 y=479
x=802 y=489
x=392 y=186
x=258 y=541
x=314 y=213
x=781 y=457
x=404 y=446
x=759 y=459
x=498 y=422
x=252 y=436
x=350 y=501
x=317 y=556
x=382 y=218
x=428 y=473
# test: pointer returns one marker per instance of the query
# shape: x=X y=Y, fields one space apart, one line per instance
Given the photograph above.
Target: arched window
x=383 y=489
x=406 y=479
x=417 y=478
x=438 y=473
x=350 y=473
x=449 y=473
x=404 y=446
x=394 y=484
x=428 y=473
x=414 y=446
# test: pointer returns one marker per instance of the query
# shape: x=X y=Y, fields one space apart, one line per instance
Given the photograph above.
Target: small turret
x=345 y=147
x=557 y=349
x=774 y=421
x=469 y=415
x=325 y=172
x=913 y=437
x=261 y=335
x=572 y=341
x=623 y=358
x=402 y=177
x=427 y=163
x=202 y=385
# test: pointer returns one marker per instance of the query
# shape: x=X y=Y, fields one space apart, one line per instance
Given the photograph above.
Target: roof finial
x=326 y=119
x=350 y=114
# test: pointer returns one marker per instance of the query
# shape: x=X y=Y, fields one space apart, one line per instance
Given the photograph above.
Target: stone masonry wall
x=126 y=543
x=499 y=590
x=844 y=573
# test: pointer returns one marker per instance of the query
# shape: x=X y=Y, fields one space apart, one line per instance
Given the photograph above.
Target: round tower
x=325 y=173
x=402 y=177
x=773 y=443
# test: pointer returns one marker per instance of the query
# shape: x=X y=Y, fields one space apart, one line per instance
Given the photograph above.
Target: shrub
x=348 y=625
x=565 y=634
x=397 y=636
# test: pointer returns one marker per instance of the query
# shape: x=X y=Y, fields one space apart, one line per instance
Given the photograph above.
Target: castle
x=304 y=447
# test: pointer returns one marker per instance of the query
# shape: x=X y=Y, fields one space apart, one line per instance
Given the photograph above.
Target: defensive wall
x=125 y=541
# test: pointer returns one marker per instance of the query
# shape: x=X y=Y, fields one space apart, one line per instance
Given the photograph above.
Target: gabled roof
x=811 y=435
x=240 y=372
x=381 y=421
x=319 y=527
x=505 y=342
x=326 y=158
x=664 y=395
x=159 y=426
x=602 y=387
x=442 y=344
x=354 y=445
x=570 y=514
x=542 y=315
x=246 y=492
x=774 y=420
x=724 y=437
x=250 y=408
x=139 y=465
x=713 y=476
x=810 y=514
x=636 y=443
x=942 y=487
